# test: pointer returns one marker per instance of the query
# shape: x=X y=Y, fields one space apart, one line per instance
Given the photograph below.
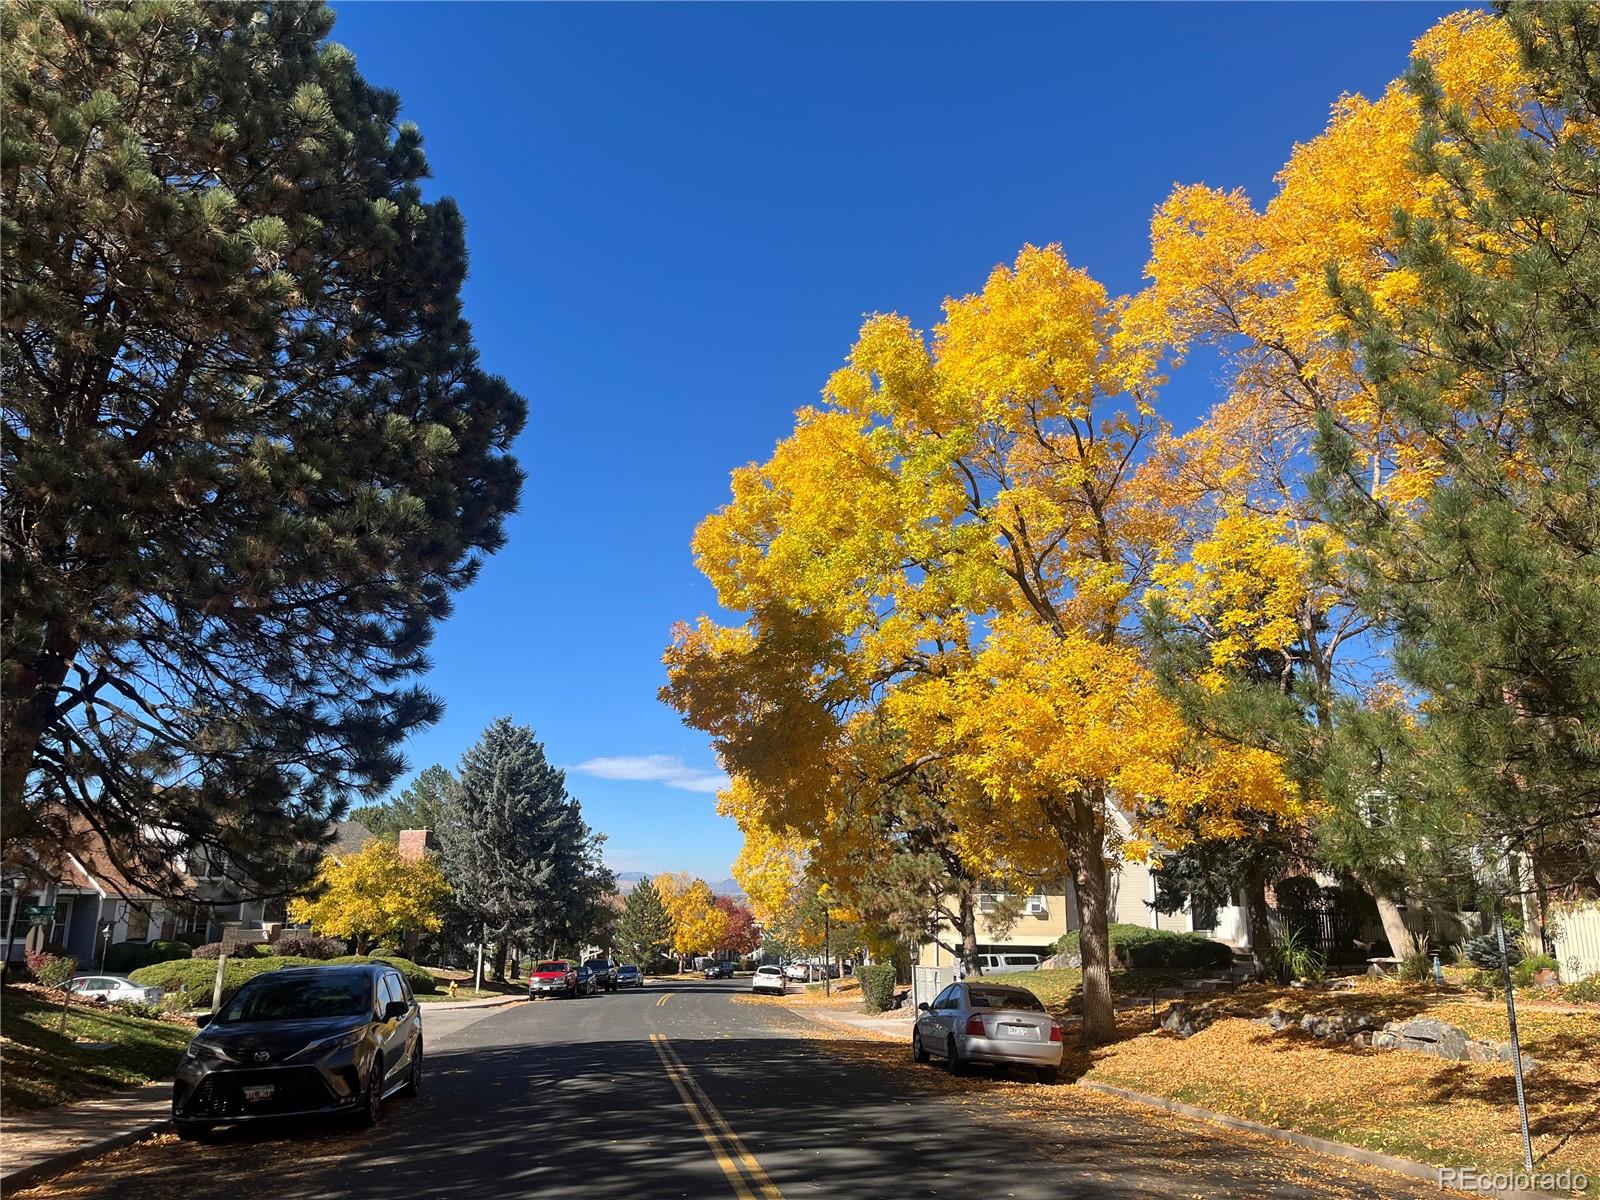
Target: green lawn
x=42 y=1068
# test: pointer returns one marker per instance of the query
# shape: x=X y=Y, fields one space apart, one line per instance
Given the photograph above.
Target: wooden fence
x=1577 y=937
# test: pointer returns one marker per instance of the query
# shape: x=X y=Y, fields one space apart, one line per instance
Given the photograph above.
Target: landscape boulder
x=1337 y=1023
x=1184 y=1021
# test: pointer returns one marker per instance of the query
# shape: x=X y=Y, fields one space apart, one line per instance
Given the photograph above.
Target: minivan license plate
x=260 y=1091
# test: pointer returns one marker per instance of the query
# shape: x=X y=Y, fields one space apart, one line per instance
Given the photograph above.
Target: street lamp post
x=827 y=962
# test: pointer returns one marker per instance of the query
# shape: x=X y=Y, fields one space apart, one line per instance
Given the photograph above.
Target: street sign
x=38 y=912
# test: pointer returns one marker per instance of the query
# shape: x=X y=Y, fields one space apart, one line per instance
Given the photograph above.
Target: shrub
x=213 y=951
x=129 y=956
x=50 y=970
x=877 y=986
x=1484 y=950
x=1583 y=991
x=196 y=976
x=1136 y=946
x=134 y=1008
x=1296 y=957
x=1416 y=967
x=1522 y=974
x=299 y=943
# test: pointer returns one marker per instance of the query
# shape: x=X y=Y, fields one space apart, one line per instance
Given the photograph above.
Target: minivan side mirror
x=203 y=1019
x=923 y=1007
x=395 y=1009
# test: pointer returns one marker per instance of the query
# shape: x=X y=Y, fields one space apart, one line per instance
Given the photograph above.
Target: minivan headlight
x=327 y=1045
x=210 y=1051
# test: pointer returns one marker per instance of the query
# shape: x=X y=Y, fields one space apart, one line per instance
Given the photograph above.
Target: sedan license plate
x=256 y=1092
x=1016 y=1030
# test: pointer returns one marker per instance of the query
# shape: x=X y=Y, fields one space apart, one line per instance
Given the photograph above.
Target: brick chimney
x=415 y=844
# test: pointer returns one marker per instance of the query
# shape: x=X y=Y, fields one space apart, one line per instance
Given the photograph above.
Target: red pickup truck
x=553 y=977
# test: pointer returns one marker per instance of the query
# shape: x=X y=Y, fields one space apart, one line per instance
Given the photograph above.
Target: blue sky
x=677 y=217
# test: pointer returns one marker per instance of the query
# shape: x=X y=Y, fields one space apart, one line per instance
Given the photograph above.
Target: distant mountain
x=626 y=880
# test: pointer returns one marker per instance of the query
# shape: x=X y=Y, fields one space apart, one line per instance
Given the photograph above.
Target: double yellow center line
x=663 y=999
x=731 y=1154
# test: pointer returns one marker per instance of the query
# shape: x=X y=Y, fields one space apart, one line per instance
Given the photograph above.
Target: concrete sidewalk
x=38 y=1144
x=894 y=1026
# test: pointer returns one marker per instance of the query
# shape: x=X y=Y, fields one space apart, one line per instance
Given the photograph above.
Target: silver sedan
x=978 y=1022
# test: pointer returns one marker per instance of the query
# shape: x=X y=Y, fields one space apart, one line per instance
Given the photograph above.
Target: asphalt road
x=679 y=1091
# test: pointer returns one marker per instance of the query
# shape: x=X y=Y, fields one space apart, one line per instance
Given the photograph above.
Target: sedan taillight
x=975 y=1025
x=1055 y=1032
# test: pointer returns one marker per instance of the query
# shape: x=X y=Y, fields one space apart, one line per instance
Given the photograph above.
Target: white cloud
x=667 y=769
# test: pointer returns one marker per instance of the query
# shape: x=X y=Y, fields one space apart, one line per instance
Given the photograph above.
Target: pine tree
x=1488 y=581
x=420 y=806
x=644 y=931
x=523 y=864
x=248 y=451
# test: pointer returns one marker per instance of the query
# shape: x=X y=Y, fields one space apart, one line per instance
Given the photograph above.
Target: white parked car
x=995 y=963
x=112 y=987
x=975 y=1022
x=799 y=971
x=769 y=979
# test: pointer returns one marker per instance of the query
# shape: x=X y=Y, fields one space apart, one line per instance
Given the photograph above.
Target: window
x=1035 y=905
x=1004 y=998
x=389 y=989
x=945 y=999
x=138 y=923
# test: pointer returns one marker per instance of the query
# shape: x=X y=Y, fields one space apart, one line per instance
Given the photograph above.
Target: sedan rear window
x=268 y=999
x=1003 y=998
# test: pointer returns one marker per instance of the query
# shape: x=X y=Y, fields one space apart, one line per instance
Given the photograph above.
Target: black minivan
x=302 y=1041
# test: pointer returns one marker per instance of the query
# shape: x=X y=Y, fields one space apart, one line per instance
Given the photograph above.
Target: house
x=1050 y=911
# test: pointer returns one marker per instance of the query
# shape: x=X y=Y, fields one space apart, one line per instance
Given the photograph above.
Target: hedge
x=197 y=976
x=130 y=956
x=877 y=986
x=1136 y=946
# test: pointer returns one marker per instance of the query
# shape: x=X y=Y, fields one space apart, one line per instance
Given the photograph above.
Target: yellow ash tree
x=1254 y=605
x=953 y=543
x=698 y=925
x=374 y=895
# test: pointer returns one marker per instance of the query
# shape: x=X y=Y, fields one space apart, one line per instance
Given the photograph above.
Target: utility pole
x=1516 y=1048
x=827 y=950
x=483 y=932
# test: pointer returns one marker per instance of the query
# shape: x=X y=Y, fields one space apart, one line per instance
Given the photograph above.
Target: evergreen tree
x=524 y=866
x=420 y=806
x=1488 y=582
x=248 y=451
x=644 y=930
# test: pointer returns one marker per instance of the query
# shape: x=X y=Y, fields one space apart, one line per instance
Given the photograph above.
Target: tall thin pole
x=483 y=932
x=1516 y=1047
x=827 y=962
x=11 y=922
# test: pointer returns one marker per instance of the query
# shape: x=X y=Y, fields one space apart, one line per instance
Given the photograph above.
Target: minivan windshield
x=265 y=998
x=551 y=968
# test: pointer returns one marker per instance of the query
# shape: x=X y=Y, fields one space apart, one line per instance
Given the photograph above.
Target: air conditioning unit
x=988 y=902
x=1035 y=906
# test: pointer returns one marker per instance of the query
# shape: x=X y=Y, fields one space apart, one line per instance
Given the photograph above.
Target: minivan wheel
x=372 y=1104
x=193 y=1131
x=953 y=1059
x=414 y=1078
x=918 y=1054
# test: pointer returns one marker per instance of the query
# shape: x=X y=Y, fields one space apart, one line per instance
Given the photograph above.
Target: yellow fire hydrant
x=452 y=989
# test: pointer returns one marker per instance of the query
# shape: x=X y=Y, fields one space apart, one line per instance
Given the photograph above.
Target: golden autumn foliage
x=374 y=893
x=698 y=925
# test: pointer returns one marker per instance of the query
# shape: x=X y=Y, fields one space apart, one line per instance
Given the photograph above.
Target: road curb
x=44 y=1168
x=1369 y=1158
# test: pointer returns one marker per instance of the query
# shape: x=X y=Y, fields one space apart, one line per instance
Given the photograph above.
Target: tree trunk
x=29 y=710
x=1253 y=892
x=1092 y=887
x=500 y=948
x=969 y=928
x=361 y=943
x=1402 y=942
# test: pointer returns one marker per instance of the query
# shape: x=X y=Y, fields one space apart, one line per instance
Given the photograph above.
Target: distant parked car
x=112 y=987
x=719 y=970
x=588 y=980
x=629 y=975
x=302 y=1041
x=553 y=977
x=978 y=1022
x=604 y=972
x=769 y=979
x=992 y=963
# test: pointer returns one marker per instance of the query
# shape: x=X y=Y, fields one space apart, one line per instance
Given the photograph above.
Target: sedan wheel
x=918 y=1054
x=1049 y=1074
x=953 y=1059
